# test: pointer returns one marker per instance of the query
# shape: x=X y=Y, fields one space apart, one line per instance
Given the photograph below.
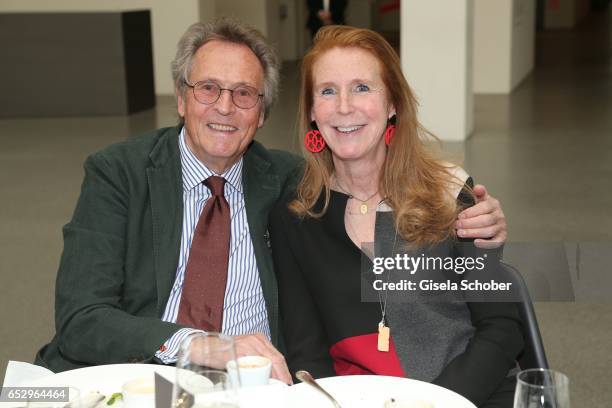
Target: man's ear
x=262 y=118
x=180 y=104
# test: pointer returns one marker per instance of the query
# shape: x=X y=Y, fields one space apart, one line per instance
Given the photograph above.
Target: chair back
x=533 y=355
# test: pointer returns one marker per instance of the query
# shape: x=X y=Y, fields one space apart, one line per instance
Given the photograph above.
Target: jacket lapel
x=165 y=187
x=261 y=191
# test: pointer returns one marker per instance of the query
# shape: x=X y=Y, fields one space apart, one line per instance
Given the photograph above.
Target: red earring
x=314 y=141
x=389 y=133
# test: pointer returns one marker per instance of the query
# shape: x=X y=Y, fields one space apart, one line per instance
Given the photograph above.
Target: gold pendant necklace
x=363 y=208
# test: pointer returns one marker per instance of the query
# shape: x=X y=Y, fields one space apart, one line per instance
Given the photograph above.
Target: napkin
x=19 y=372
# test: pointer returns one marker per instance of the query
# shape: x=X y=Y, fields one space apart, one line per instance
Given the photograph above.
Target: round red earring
x=389 y=133
x=314 y=141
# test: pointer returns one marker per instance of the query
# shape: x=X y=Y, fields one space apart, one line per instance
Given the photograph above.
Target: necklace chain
x=383 y=304
x=344 y=190
x=363 y=208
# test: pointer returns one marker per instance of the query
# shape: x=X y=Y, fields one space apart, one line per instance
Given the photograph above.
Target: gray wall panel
x=65 y=64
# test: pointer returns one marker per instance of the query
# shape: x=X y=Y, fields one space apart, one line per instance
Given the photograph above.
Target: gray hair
x=227 y=29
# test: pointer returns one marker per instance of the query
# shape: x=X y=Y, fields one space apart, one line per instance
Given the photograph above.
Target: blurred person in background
x=324 y=12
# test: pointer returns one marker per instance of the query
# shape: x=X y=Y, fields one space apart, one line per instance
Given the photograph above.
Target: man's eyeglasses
x=208 y=92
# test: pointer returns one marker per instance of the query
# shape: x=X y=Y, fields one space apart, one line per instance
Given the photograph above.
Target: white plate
x=371 y=391
x=105 y=379
x=108 y=379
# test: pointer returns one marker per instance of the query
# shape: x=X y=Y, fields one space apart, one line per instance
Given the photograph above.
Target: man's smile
x=221 y=127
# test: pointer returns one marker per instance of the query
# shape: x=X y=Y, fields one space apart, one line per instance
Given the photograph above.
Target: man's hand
x=246 y=345
x=258 y=345
x=484 y=221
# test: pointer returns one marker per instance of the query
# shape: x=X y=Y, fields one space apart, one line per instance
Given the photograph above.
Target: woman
x=367 y=173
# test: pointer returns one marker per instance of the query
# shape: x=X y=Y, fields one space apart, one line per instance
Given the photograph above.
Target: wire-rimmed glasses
x=209 y=92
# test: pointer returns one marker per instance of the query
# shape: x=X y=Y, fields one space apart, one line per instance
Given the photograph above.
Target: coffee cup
x=253 y=370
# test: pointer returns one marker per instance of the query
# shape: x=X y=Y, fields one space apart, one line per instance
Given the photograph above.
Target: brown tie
x=201 y=304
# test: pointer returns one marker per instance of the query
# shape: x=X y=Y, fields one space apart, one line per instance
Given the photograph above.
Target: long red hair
x=416 y=185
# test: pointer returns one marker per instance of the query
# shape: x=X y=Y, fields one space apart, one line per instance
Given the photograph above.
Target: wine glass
x=541 y=388
x=207 y=372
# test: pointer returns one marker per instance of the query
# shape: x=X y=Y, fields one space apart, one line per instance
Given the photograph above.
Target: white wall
x=168 y=24
x=255 y=12
x=504 y=40
x=436 y=52
x=208 y=10
x=523 y=41
x=272 y=23
x=264 y=15
x=289 y=30
x=492 y=45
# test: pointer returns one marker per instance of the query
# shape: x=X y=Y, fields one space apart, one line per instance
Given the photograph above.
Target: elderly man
x=169 y=235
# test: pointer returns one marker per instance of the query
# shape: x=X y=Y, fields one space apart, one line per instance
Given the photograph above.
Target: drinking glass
x=540 y=388
x=206 y=375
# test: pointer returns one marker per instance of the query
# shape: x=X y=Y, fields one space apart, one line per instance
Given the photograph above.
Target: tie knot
x=215 y=184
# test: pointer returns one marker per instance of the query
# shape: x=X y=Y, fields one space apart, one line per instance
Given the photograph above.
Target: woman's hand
x=484 y=221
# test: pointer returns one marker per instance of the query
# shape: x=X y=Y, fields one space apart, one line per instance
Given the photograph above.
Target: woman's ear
x=391 y=112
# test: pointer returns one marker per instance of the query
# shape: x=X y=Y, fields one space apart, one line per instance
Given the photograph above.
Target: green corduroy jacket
x=121 y=249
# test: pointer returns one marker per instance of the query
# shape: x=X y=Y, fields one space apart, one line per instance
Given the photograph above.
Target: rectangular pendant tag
x=383 y=337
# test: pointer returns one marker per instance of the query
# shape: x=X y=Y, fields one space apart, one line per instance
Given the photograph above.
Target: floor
x=545 y=151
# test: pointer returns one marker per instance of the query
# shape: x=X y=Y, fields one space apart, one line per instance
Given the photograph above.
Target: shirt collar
x=195 y=172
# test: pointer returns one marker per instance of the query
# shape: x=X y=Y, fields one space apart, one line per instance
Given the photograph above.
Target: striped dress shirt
x=244 y=309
